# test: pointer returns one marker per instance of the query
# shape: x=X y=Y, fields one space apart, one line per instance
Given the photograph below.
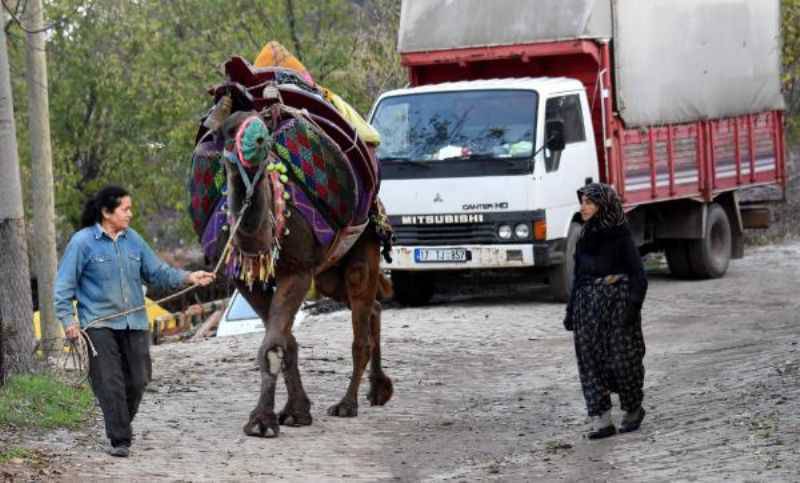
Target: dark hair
x=108 y=198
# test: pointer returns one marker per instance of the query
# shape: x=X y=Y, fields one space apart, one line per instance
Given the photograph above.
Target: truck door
x=561 y=176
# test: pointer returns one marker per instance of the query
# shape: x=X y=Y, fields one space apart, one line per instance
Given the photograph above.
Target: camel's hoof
x=294 y=418
x=380 y=390
x=344 y=409
x=263 y=424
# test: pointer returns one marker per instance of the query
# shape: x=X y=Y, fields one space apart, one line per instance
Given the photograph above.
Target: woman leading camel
x=604 y=311
x=103 y=268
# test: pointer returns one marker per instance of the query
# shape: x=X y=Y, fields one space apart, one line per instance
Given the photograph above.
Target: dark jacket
x=609 y=252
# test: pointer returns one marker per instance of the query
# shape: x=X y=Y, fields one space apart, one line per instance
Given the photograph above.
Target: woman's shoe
x=602 y=427
x=118 y=451
x=602 y=432
x=632 y=420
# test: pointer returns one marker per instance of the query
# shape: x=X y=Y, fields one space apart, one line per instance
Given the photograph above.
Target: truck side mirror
x=554 y=142
x=554 y=134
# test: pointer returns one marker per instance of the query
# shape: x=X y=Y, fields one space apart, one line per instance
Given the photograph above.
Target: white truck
x=515 y=104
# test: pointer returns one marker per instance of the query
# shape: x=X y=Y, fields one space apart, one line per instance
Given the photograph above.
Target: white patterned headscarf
x=610 y=213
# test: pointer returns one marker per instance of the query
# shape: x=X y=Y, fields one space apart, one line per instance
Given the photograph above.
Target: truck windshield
x=426 y=130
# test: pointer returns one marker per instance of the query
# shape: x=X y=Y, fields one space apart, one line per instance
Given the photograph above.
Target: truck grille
x=472 y=233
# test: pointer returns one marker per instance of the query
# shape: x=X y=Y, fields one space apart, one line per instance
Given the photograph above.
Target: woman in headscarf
x=604 y=311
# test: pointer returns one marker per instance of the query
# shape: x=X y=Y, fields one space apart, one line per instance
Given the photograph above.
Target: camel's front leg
x=290 y=292
x=380 y=385
x=361 y=289
x=297 y=411
x=262 y=421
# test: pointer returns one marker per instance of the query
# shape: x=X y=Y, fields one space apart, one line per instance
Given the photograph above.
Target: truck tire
x=677 y=253
x=412 y=288
x=560 y=278
x=710 y=256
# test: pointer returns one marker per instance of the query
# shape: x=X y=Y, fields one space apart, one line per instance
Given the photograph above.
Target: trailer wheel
x=560 y=277
x=677 y=253
x=710 y=256
x=412 y=288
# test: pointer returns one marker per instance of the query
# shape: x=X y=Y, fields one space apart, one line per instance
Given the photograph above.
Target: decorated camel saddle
x=317 y=162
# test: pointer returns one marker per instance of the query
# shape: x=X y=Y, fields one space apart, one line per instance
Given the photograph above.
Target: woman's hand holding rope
x=72 y=332
x=200 y=278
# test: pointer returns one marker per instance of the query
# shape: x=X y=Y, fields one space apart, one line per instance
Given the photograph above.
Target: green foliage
x=42 y=401
x=376 y=64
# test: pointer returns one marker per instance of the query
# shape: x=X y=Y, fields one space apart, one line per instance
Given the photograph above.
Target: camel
x=273 y=238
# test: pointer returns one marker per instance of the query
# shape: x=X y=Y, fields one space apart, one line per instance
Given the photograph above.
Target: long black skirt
x=609 y=351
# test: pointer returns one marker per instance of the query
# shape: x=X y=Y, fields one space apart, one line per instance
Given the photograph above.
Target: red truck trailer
x=682 y=97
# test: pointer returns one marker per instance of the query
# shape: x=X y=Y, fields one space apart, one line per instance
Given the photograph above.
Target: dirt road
x=486 y=387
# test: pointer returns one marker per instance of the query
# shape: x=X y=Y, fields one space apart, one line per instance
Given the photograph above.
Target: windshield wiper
x=510 y=162
x=398 y=159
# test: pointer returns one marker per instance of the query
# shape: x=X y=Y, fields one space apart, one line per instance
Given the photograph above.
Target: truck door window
x=568 y=110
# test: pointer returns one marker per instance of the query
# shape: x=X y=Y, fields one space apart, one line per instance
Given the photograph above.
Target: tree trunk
x=2 y=365
x=16 y=309
x=44 y=231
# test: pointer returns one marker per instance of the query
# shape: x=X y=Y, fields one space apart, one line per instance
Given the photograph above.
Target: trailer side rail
x=700 y=160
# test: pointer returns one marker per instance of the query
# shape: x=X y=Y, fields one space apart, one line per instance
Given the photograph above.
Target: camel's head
x=248 y=142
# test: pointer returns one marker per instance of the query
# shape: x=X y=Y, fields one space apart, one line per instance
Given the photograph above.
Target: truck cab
x=483 y=175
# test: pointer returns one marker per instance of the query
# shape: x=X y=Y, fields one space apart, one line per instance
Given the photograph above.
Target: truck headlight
x=522 y=231
x=504 y=232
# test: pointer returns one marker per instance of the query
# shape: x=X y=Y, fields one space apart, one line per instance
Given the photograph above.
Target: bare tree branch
x=244 y=24
x=16 y=12
x=293 y=29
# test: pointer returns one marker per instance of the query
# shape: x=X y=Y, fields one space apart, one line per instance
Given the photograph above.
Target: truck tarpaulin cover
x=676 y=60
x=452 y=24
x=687 y=60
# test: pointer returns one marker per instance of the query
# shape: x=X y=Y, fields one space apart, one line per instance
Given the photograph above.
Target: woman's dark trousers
x=610 y=351
x=118 y=375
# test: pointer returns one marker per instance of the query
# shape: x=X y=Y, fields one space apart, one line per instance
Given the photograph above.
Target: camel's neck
x=256 y=228
x=257 y=241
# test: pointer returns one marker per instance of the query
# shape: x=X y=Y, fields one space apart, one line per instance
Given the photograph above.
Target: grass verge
x=12 y=454
x=44 y=402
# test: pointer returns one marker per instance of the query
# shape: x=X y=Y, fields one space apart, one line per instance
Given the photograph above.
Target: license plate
x=441 y=255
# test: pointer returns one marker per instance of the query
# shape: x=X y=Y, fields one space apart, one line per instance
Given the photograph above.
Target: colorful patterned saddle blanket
x=333 y=178
x=320 y=171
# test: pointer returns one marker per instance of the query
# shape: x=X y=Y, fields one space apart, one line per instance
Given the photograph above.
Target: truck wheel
x=710 y=256
x=412 y=288
x=677 y=255
x=561 y=275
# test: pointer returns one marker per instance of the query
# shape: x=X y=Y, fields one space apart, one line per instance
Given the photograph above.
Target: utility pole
x=16 y=309
x=44 y=231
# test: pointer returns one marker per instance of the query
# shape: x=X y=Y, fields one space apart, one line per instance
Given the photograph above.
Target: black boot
x=602 y=426
x=632 y=420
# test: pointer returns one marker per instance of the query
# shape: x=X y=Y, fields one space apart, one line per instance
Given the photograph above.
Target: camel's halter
x=241 y=162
